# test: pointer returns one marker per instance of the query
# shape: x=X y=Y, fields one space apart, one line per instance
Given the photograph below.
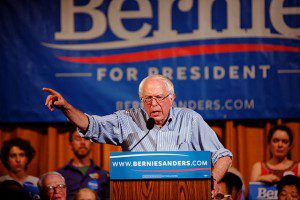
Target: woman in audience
x=16 y=155
x=280 y=139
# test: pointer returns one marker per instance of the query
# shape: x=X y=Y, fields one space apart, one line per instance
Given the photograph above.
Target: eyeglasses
x=221 y=196
x=51 y=188
x=158 y=99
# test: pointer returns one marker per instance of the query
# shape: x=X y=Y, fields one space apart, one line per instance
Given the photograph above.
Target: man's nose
x=56 y=190
x=153 y=101
x=81 y=140
x=84 y=141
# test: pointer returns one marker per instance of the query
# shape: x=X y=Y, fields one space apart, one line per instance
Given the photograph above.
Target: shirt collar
x=170 y=120
x=93 y=165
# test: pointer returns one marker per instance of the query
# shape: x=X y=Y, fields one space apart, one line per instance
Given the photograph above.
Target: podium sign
x=262 y=191
x=160 y=165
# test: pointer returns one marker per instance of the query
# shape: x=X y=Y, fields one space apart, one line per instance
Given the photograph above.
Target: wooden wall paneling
x=295 y=127
x=231 y=141
x=249 y=140
x=52 y=150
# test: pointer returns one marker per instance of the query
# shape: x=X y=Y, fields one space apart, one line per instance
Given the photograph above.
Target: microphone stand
x=150 y=124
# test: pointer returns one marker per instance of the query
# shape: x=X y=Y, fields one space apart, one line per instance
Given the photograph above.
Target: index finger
x=50 y=90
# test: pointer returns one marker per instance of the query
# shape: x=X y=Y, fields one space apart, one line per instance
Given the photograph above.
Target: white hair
x=42 y=178
x=164 y=79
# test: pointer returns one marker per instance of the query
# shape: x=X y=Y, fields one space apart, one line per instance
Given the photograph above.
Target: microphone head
x=150 y=123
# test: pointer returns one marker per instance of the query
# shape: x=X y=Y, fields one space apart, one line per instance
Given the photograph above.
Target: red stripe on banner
x=175 y=170
x=177 y=52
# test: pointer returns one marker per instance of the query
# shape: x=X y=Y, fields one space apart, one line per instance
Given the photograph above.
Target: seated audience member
x=52 y=186
x=81 y=171
x=280 y=140
x=289 y=188
x=13 y=190
x=16 y=154
x=86 y=194
x=230 y=187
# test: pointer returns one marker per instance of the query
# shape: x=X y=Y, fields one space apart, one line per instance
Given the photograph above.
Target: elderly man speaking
x=175 y=129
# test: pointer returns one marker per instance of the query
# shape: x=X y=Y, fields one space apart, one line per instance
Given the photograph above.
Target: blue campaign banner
x=160 y=165
x=233 y=59
x=262 y=191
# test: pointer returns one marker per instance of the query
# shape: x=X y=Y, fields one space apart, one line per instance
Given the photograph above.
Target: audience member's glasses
x=52 y=188
x=158 y=99
x=221 y=196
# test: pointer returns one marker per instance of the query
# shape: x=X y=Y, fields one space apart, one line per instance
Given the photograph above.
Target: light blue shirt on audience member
x=185 y=130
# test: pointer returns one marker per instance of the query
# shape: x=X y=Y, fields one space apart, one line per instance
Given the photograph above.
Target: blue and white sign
x=233 y=59
x=32 y=190
x=262 y=191
x=160 y=165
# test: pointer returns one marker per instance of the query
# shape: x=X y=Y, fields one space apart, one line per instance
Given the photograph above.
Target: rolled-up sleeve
x=206 y=139
x=104 y=129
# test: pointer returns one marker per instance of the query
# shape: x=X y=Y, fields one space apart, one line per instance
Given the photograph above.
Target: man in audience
x=52 y=186
x=82 y=172
x=289 y=188
x=230 y=187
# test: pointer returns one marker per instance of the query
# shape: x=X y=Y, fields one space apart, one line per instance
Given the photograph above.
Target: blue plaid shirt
x=185 y=130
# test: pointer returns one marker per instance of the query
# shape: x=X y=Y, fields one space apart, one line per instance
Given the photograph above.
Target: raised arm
x=55 y=99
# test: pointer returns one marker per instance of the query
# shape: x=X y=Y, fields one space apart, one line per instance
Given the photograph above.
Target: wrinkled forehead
x=154 y=87
x=53 y=179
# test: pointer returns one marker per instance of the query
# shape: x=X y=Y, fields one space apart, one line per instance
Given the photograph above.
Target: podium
x=160 y=175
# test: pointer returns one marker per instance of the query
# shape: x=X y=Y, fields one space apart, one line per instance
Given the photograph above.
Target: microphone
x=149 y=124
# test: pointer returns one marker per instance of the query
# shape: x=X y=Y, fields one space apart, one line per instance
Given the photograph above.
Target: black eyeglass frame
x=148 y=100
x=52 y=188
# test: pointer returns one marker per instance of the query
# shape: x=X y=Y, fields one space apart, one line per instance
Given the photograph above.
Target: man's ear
x=173 y=97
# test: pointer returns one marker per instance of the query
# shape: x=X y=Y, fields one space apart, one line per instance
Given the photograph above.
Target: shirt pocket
x=167 y=141
x=183 y=140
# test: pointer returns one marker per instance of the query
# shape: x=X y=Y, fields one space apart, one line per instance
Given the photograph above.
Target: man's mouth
x=155 y=113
